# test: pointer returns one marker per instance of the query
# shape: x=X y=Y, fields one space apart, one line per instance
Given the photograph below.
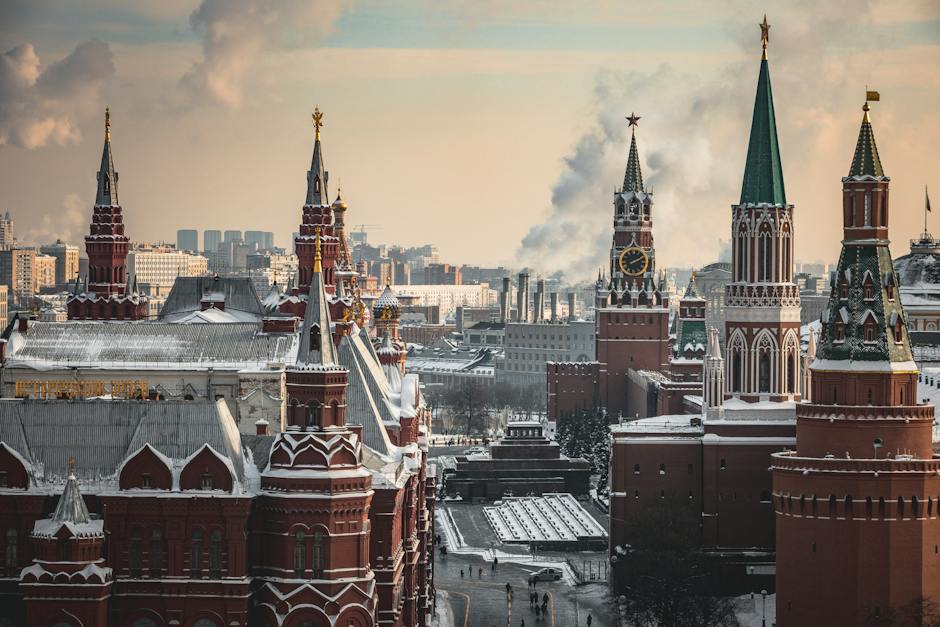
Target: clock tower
x=632 y=311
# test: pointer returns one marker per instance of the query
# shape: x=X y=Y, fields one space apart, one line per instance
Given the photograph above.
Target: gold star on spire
x=632 y=119
x=764 y=35
x=107 y=124
x=317 y=120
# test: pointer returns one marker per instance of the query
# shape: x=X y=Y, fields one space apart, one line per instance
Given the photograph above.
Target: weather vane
x=317 y=120
x=764 y=34
x=107 y=124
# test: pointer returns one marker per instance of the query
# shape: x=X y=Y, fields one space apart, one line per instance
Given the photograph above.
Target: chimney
x=261 y=427
x=553 y=297
x=522 y=298
x=540 y=300
x=570 y=306
x=504 y=300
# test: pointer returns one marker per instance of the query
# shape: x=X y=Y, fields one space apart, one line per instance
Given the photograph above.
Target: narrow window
x=208 y=481
x=300 y=554
x=868 y=508
x=145 y=480
x=901 y=508
x=215 y=554
x=870 y=396
x=156 y=554
x=195 y=555
x=848 y=506
x=317 y=558
x=662 y=469
x=832 y=506
x=10 y=559
x=135 y=550
x=723 y=465
x=882 y=508
x=636 y=469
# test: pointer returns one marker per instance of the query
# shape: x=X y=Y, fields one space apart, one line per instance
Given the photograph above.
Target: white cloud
x=38 y=106
x=67 y=223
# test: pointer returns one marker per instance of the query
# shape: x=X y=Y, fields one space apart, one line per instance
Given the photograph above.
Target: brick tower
x=314 y=509
x=68 y=579
x=857 y=502
x=762 y=304
x=106 y=294
x=632 y=311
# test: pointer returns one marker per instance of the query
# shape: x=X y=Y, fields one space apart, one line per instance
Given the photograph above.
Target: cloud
x=67 y=224
x=39 y=106
x=236 y=32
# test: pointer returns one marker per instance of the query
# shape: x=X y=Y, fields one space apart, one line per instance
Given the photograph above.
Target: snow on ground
x=749 y=610
x=444 y=615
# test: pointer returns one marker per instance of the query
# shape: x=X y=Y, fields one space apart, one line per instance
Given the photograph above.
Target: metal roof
x=151 y=345
x=188 y=293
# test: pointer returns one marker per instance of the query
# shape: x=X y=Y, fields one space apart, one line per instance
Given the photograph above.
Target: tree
x=587 y=435
x=469 y=399
x=663 y=577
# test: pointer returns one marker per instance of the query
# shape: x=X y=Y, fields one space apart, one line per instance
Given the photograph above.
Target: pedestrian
x=480 y=572
x=538 y=613
x=495 y=562
x=545 y=599
x=522 y=624
x=493 y=567
x=589 y=620
x=461 y=573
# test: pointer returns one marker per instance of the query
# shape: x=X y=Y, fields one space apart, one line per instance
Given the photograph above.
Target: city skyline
x=455 y=114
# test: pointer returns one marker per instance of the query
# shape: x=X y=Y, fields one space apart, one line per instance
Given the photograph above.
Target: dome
x=387 y=305
x=339 y=203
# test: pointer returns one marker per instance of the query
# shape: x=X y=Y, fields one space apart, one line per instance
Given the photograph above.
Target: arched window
x=851 y=220
x=636 y=469
x=882 y=507
x=215 y=554
x=156 y=553
x=764 y=254
x=736 y=371
x=318 y=560
x=316 y=184
x=901 y=507
x=868 y=288
x=868 y=209
x=314 y=414
x=870 y=396
x=10 y=559
x=135 y=550
x=868 y=507
x=195 y=555
x=662 y=469
x=764 y=371
x=840 y=331
x=915 y=507
x=791 y=368
x=300 y=554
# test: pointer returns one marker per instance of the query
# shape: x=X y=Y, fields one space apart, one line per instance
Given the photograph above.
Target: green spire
x=633 y=177
x=866 y=161
x=763 y=173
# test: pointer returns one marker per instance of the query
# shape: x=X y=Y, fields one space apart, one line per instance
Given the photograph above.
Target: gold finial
x=317 y=120
x=317 y=258
x=71 y=466
x=870 y=96
x=107 y=124
x=764 y=35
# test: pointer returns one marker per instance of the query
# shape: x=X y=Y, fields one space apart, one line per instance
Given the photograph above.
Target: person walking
x=461 y=573
x=480 y=572
x=589 y=619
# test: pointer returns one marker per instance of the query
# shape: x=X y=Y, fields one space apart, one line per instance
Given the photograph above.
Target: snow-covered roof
x=150 y=345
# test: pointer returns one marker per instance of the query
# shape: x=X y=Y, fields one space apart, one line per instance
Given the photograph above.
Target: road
x=481 y=601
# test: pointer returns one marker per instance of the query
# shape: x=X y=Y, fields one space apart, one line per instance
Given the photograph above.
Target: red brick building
x=171 y=517
x=857 y=501
x=106 y=293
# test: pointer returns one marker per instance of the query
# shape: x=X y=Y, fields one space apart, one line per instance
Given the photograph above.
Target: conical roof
x=633 y=177
x=316 y=338
x=107 y=194
x=71 y=507
x=763 y=172
x=866 y=162
x=317 y=176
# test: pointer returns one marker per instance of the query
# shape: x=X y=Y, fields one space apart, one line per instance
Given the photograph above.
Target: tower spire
x=317 y=176
x=763 y=171
x=865 y=161
x=107 y=195
x=633 y=177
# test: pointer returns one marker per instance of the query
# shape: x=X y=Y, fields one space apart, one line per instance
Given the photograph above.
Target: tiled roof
x=763 y=172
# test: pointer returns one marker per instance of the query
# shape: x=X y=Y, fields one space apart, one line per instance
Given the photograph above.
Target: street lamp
x=763 y=608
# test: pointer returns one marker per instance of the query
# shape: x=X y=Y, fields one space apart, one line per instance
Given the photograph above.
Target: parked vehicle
x=545 y=574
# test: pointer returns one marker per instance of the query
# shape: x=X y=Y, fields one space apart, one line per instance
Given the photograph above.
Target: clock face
x=634 y=261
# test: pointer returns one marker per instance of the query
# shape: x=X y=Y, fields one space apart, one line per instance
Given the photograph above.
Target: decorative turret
x=68 y=563
x=691 y=335
x=713 y=377
x=762 y=304
x=316 y=342
x=106 y=294
x=386 y=313
x=865 y=189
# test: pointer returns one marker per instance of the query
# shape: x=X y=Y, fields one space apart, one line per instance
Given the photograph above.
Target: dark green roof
x=763 y=173
x=856 y=264
x=866 y=160
x=633 y=177
x=317 y=178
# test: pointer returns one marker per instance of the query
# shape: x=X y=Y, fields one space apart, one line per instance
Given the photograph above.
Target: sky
x=493 y=130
